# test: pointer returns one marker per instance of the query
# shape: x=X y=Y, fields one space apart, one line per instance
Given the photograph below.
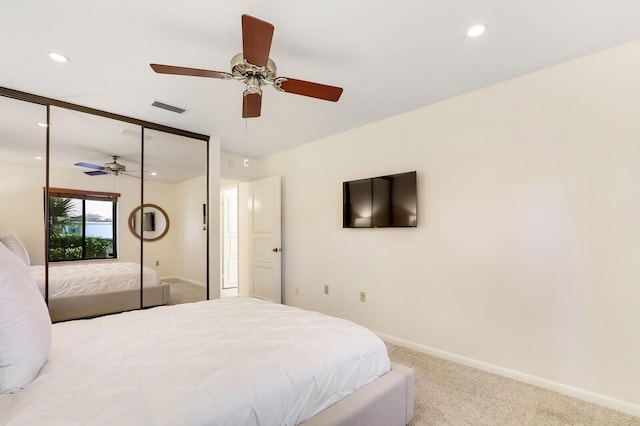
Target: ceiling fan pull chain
x=246 y=158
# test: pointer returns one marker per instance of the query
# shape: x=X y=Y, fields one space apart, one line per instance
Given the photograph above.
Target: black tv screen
x=380 y=202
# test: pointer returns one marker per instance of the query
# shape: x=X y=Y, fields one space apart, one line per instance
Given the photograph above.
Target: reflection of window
x=82 y=224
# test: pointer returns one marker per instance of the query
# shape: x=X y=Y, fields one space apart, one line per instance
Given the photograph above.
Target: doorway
x=250 y=252
x=234 y=234
x=229 y=241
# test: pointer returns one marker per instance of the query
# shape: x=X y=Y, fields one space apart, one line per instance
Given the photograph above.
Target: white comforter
x=221 y=362
x=90 y=277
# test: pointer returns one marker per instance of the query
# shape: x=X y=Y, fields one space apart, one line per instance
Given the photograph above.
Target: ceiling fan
x=113 y=168
x=254 y=68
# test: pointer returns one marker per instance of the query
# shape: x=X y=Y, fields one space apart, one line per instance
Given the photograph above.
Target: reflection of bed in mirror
x=88 y=289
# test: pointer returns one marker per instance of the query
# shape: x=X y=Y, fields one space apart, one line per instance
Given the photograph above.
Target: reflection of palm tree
x=60 y=210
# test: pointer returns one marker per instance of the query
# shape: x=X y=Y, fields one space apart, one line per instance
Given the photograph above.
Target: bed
x=92 y=277
x=228 y=361
x=238 y=361
x=88 y=289
x=91 y=288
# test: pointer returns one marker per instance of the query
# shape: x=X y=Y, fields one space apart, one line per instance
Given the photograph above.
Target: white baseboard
x=584 y=395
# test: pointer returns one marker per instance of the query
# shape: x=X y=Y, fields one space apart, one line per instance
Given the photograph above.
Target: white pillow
x=25 y=325
x=17 y=247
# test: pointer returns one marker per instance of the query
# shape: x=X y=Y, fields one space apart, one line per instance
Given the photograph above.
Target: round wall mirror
x=149 y=222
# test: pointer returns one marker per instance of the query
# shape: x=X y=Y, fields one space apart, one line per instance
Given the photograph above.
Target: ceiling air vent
x=168 y=107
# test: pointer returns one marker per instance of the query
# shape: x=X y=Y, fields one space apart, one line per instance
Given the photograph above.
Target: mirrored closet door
x=23 y=136
x=94 y=180
x=172 y=219
x=109 y=211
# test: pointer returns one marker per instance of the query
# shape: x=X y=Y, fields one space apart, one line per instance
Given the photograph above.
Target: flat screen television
x=380 y=202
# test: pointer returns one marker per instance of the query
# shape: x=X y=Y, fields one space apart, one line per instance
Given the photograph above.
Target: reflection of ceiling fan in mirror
x=113 y=168
x=254 y=68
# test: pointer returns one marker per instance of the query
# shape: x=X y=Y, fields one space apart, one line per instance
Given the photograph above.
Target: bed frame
x=87 y=305
x=387 y=401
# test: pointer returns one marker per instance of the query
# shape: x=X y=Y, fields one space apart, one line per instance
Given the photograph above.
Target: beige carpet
x=184 y=292
x=447 y=393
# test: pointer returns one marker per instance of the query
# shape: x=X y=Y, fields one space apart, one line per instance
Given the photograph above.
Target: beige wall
x=23 y=215
x=162 y=250
x=128 y=187
x=191 y=234
x=214 y=217
x=525 y=258
x=232 y=167
x=22 y=207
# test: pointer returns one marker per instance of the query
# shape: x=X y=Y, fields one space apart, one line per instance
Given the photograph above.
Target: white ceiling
x=390 y=57
x=80 y=137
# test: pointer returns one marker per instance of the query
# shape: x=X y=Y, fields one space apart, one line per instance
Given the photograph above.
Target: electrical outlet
x=363 y=296
x=326 y=289
x=157 y=263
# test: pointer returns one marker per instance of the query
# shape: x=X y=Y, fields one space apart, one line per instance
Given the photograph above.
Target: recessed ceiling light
x=476 y=30
x=39 y=158
x=58 y=57
x=154 y=174
x=43 y=125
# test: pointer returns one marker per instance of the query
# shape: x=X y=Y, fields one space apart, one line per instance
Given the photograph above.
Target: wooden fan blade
x=171 y=69
x=307 y=88
x=256 y=40
x=96 y=173
x=251 y=105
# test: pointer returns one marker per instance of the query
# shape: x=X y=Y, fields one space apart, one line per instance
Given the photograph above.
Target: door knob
x=276 y=250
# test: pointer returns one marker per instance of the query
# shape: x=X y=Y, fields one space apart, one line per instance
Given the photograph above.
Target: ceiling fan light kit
x=113 y=168
x=255 y=69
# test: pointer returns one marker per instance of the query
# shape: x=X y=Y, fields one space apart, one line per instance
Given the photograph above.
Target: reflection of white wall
x=21 y=206
x=192 y=237
x=163 y=250
x=22 y=213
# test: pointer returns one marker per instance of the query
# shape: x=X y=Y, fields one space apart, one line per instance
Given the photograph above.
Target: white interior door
x=265 y=240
